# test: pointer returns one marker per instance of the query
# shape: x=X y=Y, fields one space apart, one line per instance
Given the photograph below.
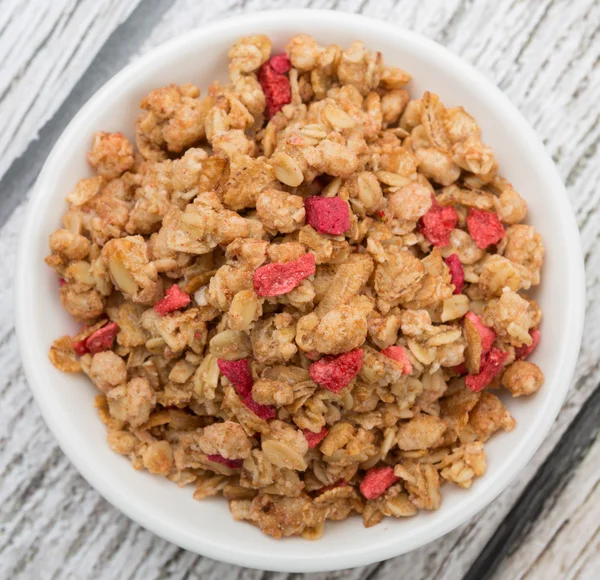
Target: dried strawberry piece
x=233 y=463
x=61 y=282
x=328 y=215
x=276 y=279
x=491 y=365
x=486 y=334
x=335 y=372
x=460 y=369
x=525 y=351
x=275 y=84
x=398 y=354
x=238 y=373
x=376 y=481
x=314 y=439
x=457 y=272
x=80 y=347
x=485 y=227
x=338 y=483
x=280 y=63
x=102 y=339
x=437 y=224
x=265 y=412
x=175 y=298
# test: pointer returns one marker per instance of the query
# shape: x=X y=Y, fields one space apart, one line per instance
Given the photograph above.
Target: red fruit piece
x=335 y=372
x=314 y=439
x=491 y=365
x=460 y=369
x=457 y=272
x=437 y=223
x=525 y=351
x=486 y=334
x=80 y=347
x=328 y=215
x=376 y=481
x=102 y=339
x=280 y=63
x=61 y=282
x=398 y=354
x=238 y=373
x=265 y=412
x=233 y=463
x=275 y=84
x=175 y=298
x=276 y=279
x=485 y=227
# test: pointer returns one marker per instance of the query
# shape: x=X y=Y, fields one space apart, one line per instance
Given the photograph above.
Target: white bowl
x=206 y=527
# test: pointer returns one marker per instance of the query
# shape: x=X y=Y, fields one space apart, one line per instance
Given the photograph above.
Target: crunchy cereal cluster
x=301 y=290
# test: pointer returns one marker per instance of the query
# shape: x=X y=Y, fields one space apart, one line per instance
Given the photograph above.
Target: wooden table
x=543 y=53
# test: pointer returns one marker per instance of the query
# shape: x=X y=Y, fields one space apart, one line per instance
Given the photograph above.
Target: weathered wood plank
x=44 y=51
x=543 y=54
x=522 y=537
x=566 y=538
x=110 y=47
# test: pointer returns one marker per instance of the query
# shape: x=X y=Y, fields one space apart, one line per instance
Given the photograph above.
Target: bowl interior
x=207 y=527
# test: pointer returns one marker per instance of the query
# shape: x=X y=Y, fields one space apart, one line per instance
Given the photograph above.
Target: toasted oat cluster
x=301 y=291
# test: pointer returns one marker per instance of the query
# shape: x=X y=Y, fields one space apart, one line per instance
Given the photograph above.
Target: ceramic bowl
x=206 y=527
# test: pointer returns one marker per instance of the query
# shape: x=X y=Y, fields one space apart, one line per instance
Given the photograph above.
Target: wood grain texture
x=45 y=48
x=544 y=54
x=521 y=539
x=567 y=535
x=106 y=54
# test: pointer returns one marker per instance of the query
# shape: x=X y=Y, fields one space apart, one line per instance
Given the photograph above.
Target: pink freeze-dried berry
x=275 y=84
x=525 y=351
x=175 y=298
x=313 y=439
x=61 y=282
x=460 y=369
x=486 y=335
x=276 y=279
x=491 y=365
x=457 y=272
x=335 y=372
x=376 y=481
x=80 y=347
x=102 y=339
x=437 y=224
x=328 y=215
x=232 y=463
x=280 y=63
x=265 y=412
x=485 y=227
x=398 y=354
x=238 y=373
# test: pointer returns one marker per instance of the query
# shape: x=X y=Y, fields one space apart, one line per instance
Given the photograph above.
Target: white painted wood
x=44 y=48
x=542 y=53
x=566 y=540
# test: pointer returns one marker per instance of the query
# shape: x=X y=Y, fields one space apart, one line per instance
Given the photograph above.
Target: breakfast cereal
x=298 y=290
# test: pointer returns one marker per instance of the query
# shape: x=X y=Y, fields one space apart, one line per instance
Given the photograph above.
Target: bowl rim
x=574 y=270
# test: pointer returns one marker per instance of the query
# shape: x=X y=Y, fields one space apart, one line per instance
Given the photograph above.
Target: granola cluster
x=301 y=291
